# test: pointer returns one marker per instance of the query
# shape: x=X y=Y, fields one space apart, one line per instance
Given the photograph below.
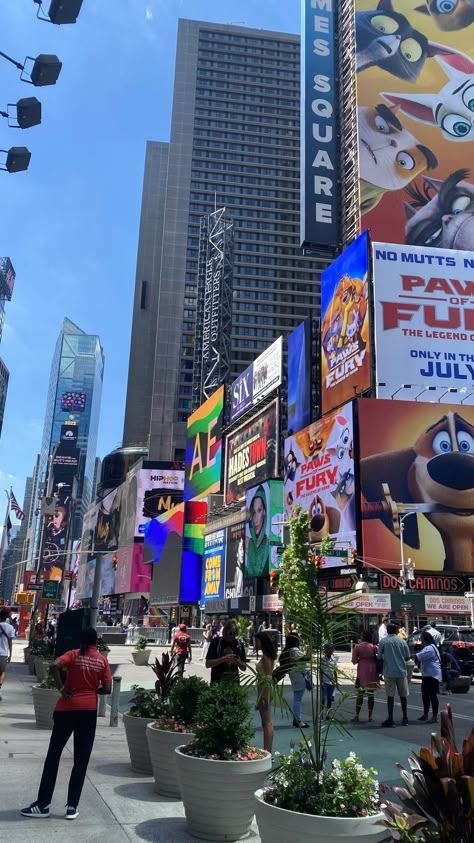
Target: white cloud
x=148 y=13
x=6 y=477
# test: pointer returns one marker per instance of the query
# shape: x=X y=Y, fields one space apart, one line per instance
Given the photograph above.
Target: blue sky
x=70 y=223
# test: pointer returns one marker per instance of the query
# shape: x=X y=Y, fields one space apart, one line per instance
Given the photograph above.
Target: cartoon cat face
x=452 y=109
x=449 y=15
x=390 y=156
x=387 y=39
x=442 y=214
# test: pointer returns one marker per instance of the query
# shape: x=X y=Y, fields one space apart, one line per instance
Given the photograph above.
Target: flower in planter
x=41 y=648
x=145 y=703
x=48 y=683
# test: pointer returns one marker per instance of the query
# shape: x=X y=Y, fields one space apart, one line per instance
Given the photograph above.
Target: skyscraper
x=235 y=143
x=74 y=395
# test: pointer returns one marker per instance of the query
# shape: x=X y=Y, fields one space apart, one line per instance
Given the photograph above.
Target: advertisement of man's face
x=55 y=545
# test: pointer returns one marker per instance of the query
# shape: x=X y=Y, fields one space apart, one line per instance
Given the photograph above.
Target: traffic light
x=273 y=581
x=354 y=556
x=114 y=561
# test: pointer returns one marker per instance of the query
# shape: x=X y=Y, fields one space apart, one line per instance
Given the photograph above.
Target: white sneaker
x=71 y=812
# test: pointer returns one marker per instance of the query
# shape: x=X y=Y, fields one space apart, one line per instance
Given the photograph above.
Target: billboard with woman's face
x=264 y=505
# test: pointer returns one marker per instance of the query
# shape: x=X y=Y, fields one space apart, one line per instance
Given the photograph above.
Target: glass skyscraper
x=74 y=396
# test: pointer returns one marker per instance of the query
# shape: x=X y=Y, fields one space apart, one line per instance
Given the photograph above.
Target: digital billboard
x=107 y=527
x=417 y=458
x=424 y=321
x=319 y=477
x=132 y=574
x=319 y=145
x=69 y=434
x=251 y=454
x=55 y=545
x=85 y=579
x=236 y=583
x=345 y=338
x=415 y=67
x=73 y=401
x=157 y=489
x=299 y=377
x=213 y=566
x=259 y=379
x=193 y=548
x=264 y=508
x=7 y=278
x=204 y=448
x=163 y=547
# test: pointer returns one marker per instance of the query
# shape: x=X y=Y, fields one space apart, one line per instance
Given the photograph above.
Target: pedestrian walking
x=383 y=631
x=393 y=654
x=88 y=674
x=7 y=634
x=364 y=655
x=207 y=635
x=265 y=666
x=328 y=677
x=226 y=654
x=295 y=662
x=181 y=647
x=429 y=660
x=450 y=669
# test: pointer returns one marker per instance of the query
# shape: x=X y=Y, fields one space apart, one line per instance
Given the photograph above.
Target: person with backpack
x=87 y=675
x=226 y=655
x=7 y=634
x=294 y=662
x=181 y=647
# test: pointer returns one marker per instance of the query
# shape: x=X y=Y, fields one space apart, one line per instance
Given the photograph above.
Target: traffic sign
x=34 y=586
x=68 y=575
x=322 y=591
x=50 y=590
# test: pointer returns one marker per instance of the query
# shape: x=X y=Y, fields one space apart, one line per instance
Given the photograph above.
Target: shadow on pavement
x=12 y=816
x=29 y=724
x=168 y=830
x=120 y=769
x=143 y=791
x=19 y=716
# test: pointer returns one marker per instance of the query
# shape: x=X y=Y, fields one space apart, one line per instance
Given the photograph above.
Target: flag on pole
x=15 y=506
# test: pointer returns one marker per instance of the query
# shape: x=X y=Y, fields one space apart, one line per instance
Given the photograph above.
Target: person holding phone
x=226 y=654
x=87 y=675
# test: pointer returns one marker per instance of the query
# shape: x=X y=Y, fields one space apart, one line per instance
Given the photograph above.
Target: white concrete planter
x=30 y=660
x=218 y=798
x=44 y=701
x=41 y=668
x=26 y=652
x=135 y=731
x=162 y=745
x=140 y=657
x=277 y=825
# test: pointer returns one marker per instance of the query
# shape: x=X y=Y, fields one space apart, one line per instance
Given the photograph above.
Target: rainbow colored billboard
x=415 y=96
x=204 y=448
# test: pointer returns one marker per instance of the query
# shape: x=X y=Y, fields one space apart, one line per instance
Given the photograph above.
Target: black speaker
x=64 y=11
x=46 y=70
x=18 y=159
x=68 y=630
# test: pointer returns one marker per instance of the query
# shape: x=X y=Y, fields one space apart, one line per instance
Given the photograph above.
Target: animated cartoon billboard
x=345 y=346
x=319 y=476
x=415 y=94
x=417 y=463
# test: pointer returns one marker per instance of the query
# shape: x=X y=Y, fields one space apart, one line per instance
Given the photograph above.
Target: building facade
x=74 y=396
x=234 y=142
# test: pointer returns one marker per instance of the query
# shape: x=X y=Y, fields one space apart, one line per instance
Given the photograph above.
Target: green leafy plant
x=141 y=643
x=48 y=683
x=438 y=796
x=145 y=703
x=344 y=789
x=243 y=625
x=185 y=697
x=102 y=646
x=41 y=648
x=167 y=673
x=224 y=726
x=326 y=545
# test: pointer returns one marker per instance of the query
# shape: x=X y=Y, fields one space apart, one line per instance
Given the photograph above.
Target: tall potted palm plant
x=306 y=798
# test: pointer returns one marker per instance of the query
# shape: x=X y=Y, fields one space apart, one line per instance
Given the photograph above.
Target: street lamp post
x=401 y=519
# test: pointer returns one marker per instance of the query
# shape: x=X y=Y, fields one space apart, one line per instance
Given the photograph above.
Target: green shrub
x=224 y=725
x=141 y=643
x=102 y=646
x=185 y=697
x=40 y=648
x=48 y=683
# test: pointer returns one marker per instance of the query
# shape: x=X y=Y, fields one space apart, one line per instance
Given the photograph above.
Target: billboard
x=157 y=489
x=132 y=574
x=54 y=551
x=85 y=579
x=319 y=146
x=107 y=526
x=193 y=548
x=69 y=434
x=417 y=458
x=415 y=66
x=204 y=448
x=213 y=566
x=258 y=380
x=319 y=476
x=299 y=377
x=251 y=453
x=236 y=583
x=163 y=547
x=264 y=508
x=424 y=321
x=73 y=401
x=345 y=337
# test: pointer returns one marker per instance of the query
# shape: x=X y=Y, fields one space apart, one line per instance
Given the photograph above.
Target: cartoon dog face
x=322 y=519
x=449 y=15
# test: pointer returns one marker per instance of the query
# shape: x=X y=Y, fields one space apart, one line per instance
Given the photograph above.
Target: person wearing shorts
x=7 y=634
x=393 y=652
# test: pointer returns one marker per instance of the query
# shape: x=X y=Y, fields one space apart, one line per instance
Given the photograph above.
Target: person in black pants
x=429 y=659
x=88 y=674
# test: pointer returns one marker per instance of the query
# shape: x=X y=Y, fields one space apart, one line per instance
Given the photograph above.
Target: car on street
x=457 y=640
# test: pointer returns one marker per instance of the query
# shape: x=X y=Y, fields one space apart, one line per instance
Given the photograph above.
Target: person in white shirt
x=383 y=629
x=429 y=660
x=435 y=634
x=7 y=634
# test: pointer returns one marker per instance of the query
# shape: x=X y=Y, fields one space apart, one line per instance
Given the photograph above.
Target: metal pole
x=102 y=705
x=114 y=705
x=96 y=591
x=402 y=558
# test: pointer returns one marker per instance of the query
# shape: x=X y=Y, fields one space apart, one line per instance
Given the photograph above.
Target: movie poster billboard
x=299 y=377
x=319 y=477
x=213 y=566
x=204 y=448
x=55 y=546
x=319 y=151
x=345 y=337
x=132 y=575
x=157 y=489
x=236 y=583
x=264 y=509
x=415 y=69
x=251 y=453
x=258 y=380
x=417 y=458
x=424 y=320
x=193 y=548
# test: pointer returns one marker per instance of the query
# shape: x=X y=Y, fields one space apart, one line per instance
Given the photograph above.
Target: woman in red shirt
x=88 y=674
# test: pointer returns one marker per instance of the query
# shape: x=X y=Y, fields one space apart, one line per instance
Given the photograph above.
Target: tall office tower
x=72 y=415
x=21 y=554
x=234 y=142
